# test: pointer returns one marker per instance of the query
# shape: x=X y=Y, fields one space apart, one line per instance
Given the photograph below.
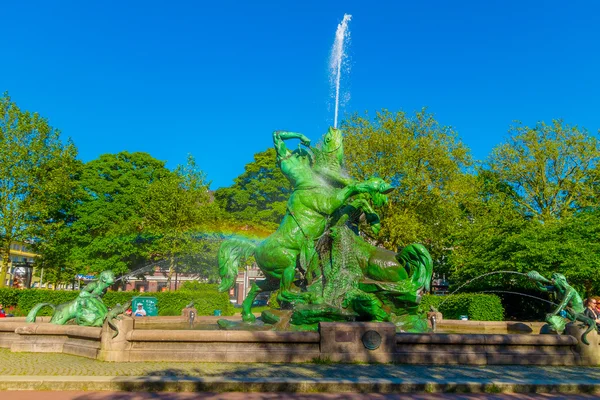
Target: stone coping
x=87 y=332
x=458 y=325
x=22 y=320
x=159 y=335
x=482 y=338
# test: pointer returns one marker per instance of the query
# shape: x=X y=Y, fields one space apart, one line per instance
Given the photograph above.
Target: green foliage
x=551 y=170
x=36 y=171
x=172 y=209
x=108 y=226
x=9 y=296
x=478 y=307
x=258 y=196
x=426 y=163
x=536 y=209
x=205 y=302
x=198 y=286
x=29 y=298
x=205 y=296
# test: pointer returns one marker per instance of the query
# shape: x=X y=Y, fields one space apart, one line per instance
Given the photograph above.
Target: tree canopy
x=36 y=178
x=258 y=196
x=427 y=164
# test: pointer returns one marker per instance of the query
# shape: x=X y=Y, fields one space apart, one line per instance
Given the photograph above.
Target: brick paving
x=46 y=371
x=75 y=395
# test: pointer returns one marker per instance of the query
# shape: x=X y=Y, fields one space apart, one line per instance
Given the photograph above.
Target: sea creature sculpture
x=570 y=302
x=87 y=309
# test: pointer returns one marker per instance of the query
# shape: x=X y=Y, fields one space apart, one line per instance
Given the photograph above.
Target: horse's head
x=333 y=144
x=107 y=277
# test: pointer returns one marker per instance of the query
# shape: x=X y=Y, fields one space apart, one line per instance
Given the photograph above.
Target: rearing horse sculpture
x=320 y=189
x=313 y=200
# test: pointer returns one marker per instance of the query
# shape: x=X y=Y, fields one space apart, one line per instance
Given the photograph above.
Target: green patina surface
x=570 y=302
x=323 y=269
x=87 y=309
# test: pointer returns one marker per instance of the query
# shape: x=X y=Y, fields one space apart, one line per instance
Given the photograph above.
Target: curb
x=303 y=385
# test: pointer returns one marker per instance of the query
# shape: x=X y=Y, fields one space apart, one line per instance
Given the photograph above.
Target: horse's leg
x=255 y=289
x=286 y=294
x=371 y=216
x=278 y=262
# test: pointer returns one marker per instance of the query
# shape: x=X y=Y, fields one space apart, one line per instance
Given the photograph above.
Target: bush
x=478 y=307
x=198 y=286
x=206 y=299
x=205 y=302
x=30 y=297
x=9 y=297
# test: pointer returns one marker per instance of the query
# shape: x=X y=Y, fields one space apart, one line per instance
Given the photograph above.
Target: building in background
x=157 y=280
x=20 y=267
x=243 y=282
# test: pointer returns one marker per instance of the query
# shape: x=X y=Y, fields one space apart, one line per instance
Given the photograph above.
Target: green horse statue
x=290 y=257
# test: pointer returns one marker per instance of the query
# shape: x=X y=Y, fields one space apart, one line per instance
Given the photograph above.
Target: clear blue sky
x=214 y=79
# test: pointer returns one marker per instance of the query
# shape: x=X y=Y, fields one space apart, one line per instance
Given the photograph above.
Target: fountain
x=342 y=299
x=322 y=269
x=336 y=61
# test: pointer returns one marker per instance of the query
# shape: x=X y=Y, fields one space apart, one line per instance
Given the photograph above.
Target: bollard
x=191 y=318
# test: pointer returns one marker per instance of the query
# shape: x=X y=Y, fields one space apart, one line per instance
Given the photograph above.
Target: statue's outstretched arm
x=280 y=147
x=539 y=281
x=284 y=135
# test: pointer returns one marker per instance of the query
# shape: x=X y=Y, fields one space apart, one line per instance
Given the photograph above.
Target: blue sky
x=214 y=79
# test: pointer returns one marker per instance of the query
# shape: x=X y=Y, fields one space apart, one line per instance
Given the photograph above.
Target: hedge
x=205 y=296
x=478 y=307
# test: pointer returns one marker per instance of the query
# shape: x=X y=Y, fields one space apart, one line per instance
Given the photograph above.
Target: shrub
x=206 y=299
x=478 y=307
x=198 y=286
x=9 y=297
x=205 y=302
x=30 y=297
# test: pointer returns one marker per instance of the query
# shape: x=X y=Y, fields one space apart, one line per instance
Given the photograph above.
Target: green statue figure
x=570 y=302
x=87 y=309
x=300 y=259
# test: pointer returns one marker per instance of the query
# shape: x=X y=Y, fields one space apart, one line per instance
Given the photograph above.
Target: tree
x=174 y=209
x=427 y=164
x=258 y=196
x=108 y=229
x=537 y=208
x=36 y=171
x=551 y=169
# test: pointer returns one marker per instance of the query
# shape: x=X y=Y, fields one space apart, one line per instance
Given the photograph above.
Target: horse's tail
x=33 y=313
x=419 y=260
x=231 y=253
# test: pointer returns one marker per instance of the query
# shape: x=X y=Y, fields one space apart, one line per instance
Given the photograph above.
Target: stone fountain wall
x=337 y=342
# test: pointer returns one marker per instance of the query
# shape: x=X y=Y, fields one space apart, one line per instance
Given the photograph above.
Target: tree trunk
x=4 y=266
x=171 y=270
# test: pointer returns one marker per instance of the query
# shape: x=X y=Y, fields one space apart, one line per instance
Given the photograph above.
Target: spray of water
x=336 y=60
x=479 y=277
x=520 y=294
x=148 y=267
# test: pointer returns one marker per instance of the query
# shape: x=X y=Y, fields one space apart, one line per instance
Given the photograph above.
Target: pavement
x=65 y=373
